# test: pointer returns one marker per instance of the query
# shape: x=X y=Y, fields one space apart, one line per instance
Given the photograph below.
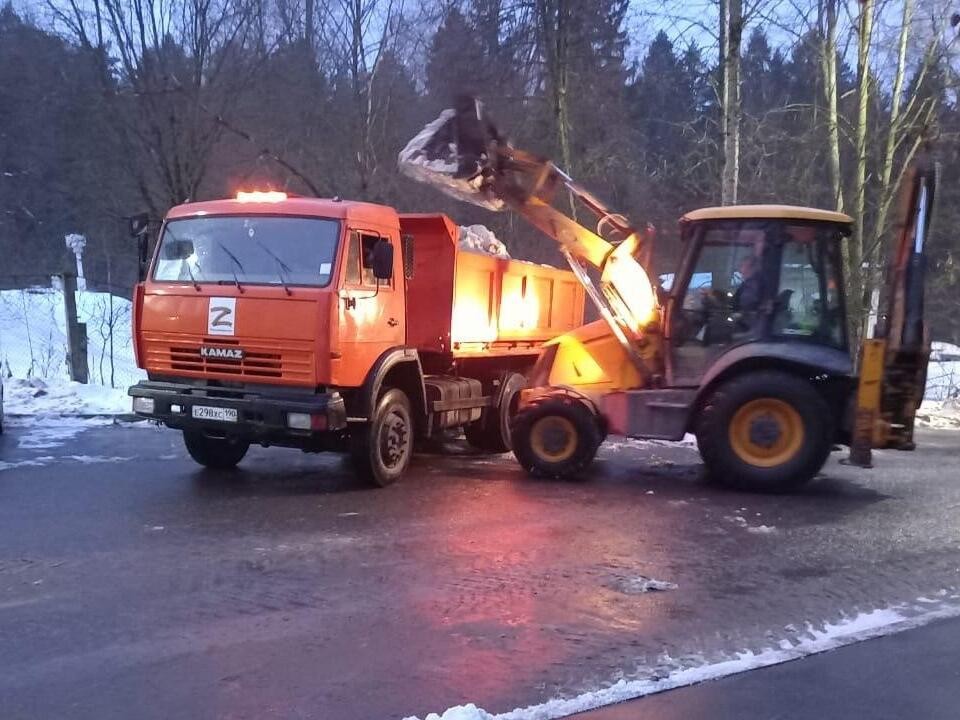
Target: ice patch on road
x=43 y=433
x=864 y=626
x=35 y=462
x=761 y=529
x=94 y=459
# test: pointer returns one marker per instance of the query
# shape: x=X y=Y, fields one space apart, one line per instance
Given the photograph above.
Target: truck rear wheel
x=215 y=453
x=491 y=433
x=382 y=450
x=556 y=436
x=765 y=431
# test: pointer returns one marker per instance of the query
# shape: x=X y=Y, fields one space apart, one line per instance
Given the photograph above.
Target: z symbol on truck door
x=221 y=316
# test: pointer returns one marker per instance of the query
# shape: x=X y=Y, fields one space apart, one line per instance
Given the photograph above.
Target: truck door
x=372 y=315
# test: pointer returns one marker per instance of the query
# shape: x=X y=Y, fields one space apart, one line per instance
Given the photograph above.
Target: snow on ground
x=939 y=414
x=38 y=397
x=943 y=372
x=33 y=350
x=33 y=337
x=827 y=636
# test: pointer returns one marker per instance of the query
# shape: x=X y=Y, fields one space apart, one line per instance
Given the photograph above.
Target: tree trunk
x=855 y=272
x=828 y=64
x=731 y=32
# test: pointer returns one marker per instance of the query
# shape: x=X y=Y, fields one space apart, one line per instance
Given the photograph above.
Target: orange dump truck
x=330 y=325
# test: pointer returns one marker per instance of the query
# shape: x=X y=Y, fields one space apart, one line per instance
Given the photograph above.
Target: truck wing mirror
x=381 y=260
x=138 y=224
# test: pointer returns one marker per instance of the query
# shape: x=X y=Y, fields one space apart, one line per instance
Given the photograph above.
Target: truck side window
x=353 y=260
x=367 y=243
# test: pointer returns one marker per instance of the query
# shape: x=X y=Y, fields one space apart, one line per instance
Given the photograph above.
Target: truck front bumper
x=261 y=415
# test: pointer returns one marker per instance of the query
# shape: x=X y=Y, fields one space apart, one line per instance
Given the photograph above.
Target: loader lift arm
x=495 y=173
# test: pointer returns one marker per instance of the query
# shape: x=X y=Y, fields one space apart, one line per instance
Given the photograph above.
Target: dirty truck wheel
x=766 y=431
x=492 y=432
x=382 y=450
x=556 y=436
x=216 y=453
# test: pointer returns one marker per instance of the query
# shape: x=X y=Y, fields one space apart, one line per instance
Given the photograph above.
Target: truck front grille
x=263 y=360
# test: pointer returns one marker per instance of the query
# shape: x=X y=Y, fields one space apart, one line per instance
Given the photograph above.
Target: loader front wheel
x=556 y=436
x=766 y=432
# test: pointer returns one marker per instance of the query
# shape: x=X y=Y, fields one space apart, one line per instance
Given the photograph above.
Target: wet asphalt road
x=134 y=585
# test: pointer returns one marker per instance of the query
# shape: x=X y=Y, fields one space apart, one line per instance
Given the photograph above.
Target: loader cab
x=766 y=275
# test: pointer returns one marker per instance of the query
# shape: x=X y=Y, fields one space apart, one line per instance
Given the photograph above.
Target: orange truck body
x=447 y=313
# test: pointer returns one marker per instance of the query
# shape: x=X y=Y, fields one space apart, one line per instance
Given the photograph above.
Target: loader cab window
x=720 y=299
x=809 y=301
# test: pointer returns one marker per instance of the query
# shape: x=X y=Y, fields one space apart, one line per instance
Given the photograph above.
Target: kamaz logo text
x=221 y=353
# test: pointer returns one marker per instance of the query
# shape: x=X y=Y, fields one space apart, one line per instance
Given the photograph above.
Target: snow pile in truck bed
x=480 y=238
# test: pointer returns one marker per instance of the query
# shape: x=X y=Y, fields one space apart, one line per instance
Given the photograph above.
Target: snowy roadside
x=673 y=674
x=34 y=397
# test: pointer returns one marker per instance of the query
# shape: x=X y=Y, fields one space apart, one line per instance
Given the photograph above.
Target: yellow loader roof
x=750 y=212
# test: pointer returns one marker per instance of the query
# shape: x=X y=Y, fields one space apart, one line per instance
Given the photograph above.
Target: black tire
x=556 y=436
x=491 y=433
x=215 y=453
x=766 y=431
x=382 y=449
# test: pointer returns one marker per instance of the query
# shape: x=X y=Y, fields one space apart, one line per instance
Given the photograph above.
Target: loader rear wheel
x=215 y=453
x=767 y=432
x=491 y=433
x=381 y=450
x=556 y=436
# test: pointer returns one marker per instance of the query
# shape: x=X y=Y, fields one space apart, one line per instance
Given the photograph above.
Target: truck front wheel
x=765 y=431
x=215 y=453
x=556 y=436
x=381 y=450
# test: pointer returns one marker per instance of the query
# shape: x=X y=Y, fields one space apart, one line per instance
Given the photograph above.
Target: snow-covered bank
x=863 y=626
x=33 y=337
x=33 y=347
x=38 y=397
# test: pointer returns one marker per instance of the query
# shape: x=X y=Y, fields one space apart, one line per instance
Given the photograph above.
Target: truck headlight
x=143 y=405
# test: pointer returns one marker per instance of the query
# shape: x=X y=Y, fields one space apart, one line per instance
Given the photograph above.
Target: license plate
x=205 y=412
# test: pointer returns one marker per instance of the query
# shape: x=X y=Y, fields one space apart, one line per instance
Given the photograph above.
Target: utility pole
x=76 y=331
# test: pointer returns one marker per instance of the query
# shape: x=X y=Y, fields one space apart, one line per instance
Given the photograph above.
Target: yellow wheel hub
x=553 y=439
x=766 y=432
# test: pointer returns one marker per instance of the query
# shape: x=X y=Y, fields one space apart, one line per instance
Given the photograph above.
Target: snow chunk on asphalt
x=641 y=584
x=460 y=712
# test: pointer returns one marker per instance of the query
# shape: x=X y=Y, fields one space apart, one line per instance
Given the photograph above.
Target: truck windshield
x=255 y=250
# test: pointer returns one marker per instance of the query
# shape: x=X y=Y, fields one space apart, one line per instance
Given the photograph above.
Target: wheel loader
x=744 y=343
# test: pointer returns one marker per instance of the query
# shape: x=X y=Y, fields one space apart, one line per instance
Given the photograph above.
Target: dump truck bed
x=468 y=303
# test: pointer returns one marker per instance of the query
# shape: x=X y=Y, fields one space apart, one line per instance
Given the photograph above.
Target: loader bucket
x=455 y=154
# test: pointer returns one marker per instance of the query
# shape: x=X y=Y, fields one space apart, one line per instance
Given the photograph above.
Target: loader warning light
x=269 y=196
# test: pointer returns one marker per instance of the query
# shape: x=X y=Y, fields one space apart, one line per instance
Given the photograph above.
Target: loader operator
x=747 y=297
